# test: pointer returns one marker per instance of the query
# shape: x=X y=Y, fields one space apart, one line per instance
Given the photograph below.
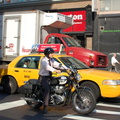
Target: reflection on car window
x=56 y=59
x=71 y=42
x=71 y=61
x=28 y=62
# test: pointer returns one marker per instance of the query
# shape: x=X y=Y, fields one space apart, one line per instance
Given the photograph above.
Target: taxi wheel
x=94 y=88
x=9 y=85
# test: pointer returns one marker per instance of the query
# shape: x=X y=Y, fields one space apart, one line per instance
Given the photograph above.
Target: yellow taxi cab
x=102 y=83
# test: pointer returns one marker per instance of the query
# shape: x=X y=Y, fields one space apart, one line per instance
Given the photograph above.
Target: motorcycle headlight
x=62 y=80
x=78 y=77
x=111 y=82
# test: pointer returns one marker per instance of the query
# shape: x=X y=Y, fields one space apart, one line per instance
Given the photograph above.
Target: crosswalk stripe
x=75 y=117
x=8 y=105
x=107 y=112
x=108 y=105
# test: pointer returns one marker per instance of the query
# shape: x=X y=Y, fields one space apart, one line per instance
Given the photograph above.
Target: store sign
x=79 y=19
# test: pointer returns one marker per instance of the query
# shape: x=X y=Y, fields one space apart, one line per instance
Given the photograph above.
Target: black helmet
x=48 y=51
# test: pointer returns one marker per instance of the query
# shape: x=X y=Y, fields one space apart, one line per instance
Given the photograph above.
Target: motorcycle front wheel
x=32 y=101
x=85 y=104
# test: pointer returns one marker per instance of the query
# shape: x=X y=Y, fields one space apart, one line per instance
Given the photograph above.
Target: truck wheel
x=94 y=88
x=9 y=85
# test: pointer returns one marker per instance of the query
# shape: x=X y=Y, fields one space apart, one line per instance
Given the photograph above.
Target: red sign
x=56 y=47
x=79 y=19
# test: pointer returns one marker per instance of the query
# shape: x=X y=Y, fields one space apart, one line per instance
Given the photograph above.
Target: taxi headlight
x=111 y=82
x=78 y=77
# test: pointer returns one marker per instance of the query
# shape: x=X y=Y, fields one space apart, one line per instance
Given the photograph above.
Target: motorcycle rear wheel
x=33 y=104
x=87 y=103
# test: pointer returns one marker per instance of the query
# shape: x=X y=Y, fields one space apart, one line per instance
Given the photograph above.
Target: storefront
x=81 y=28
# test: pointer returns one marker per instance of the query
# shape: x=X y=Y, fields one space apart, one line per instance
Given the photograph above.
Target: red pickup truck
x=72 y=48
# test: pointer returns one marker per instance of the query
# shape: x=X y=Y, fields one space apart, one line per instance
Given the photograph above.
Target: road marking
x=108 y=105
x=8 y=105
x=107 y=112
x=75 y=117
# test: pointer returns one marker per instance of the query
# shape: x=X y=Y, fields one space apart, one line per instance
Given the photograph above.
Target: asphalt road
x=13 y=108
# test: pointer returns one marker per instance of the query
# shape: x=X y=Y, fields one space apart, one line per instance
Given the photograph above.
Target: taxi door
x=27 y=68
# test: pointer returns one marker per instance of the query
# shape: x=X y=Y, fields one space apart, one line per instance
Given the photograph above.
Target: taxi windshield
x=71 y=61
x=71 y=42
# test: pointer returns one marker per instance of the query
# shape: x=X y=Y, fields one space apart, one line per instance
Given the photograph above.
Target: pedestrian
x=113 y=63
x=45 y=74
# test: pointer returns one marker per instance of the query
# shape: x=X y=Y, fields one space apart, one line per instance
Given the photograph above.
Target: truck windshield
x=71 y=42
x=71 y=61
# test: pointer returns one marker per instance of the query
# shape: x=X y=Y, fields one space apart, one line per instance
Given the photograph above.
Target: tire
x=86 y=105
x=33 y=104
x=94 y=88
x=9 y=85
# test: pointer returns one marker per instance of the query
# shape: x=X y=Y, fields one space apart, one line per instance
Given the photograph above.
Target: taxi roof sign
x=56 y=47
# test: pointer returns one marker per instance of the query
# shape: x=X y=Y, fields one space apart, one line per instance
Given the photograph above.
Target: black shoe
x=45 y=111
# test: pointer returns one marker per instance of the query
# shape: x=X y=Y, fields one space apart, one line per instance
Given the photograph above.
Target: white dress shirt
x=45 y=67
x=113 y=61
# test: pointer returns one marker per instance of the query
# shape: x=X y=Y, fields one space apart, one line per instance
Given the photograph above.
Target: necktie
x=50 y=73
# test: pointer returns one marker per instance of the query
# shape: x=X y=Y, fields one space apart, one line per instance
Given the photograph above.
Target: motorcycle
x=64 y=90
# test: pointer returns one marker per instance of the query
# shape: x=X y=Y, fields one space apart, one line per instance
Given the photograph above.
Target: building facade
x=80 y=10
x=106 y=37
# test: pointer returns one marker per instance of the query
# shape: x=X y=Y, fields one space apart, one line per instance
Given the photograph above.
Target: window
x=58 y=41
x=109 y=5
x=54 y=40
x=31 y=62
x=71 y=42
x=56 y=60
x=73 y=62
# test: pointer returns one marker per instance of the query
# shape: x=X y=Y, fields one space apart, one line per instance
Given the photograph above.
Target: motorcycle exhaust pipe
x=31 y=99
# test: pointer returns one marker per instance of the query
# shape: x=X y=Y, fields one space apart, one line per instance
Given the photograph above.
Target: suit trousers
x=45 y=85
